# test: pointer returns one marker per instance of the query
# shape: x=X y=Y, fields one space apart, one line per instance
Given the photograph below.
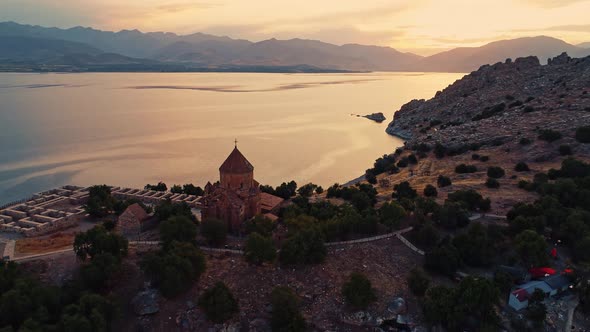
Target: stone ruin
x=61 y=208
x=45 y=212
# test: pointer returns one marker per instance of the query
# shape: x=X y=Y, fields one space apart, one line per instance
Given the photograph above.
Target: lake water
x=129 y=129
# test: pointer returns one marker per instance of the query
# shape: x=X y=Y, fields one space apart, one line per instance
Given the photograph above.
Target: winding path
x=397 y=234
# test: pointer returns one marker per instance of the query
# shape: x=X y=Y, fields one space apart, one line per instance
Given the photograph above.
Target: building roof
x=137 y=211
x=557 y=281
x=236 y=163
x=268 y=202
x=521 y=294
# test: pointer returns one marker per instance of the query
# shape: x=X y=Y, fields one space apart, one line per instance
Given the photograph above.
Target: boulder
x=377 y=117
x=146 y=302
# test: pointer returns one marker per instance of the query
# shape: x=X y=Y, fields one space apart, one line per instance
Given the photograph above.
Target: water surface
x=129 y=129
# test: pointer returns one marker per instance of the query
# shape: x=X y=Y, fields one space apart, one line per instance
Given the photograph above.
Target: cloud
x=552 y=3
x=176 y=7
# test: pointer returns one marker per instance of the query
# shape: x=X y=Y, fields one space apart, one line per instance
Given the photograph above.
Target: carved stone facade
x=236 y=197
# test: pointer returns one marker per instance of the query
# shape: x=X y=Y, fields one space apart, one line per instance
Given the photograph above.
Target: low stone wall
x=369 y=239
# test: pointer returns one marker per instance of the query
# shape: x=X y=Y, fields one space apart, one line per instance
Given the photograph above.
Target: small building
x=551 y=286
x=559 y=283
x=134 y=220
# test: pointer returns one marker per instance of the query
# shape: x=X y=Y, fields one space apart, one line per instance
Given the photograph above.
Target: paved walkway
x=9 y=249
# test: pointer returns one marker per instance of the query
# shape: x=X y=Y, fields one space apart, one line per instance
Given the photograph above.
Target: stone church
x=236 y=197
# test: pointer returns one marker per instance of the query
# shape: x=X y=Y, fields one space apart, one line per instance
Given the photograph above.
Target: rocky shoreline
x=500 y=101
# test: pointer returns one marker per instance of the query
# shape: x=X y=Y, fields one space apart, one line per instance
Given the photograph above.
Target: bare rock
x=146 y=302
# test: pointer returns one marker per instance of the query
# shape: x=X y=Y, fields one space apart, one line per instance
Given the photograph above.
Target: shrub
x=565 y=150
x=218 y=303
x=484 y=158
x=515 y=104
x=439 y=150
x=496 y=172
x=529 y=109
x=404 y=190
x=470 y=199
x=583 y=134
x=524 y=141
x=358 y=292
x=492 y=183
x=215 y=231
x=285 y=314
x=522 y=167
x=462 y=168
x=549 y=135
x=475 y=156
x=418 y=282
x=489 y=112
x=430 y=191
x=443 y=181
x=402 y=162
x=259 y=249
x=412 y=159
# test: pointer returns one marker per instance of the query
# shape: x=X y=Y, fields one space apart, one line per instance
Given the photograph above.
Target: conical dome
x=236 y=163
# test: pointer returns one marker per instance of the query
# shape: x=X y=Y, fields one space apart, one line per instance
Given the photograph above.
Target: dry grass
x=39 y=245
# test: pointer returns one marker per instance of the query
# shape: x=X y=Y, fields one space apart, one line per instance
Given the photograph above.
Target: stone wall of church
x=237 y=181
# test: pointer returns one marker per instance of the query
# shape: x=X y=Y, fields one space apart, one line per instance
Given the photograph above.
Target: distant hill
x=584 y=45
x=209 y=50
x=199 y=51
x=33 y=49
x=467 y=59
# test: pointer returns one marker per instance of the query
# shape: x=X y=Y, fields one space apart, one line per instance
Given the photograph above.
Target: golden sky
x=421 y=26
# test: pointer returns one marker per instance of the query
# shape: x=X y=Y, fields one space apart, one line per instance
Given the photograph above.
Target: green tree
x=451 y=216
x=358 y=292
x=100 y=202
x=259 y=224
x=218 y=303
x=418 y=282
x=177 y=228
x=305 y=247
x=531 y=247
x=404 y=190
x=444 y=259
x=285 y=316
x=391 y=214
x=174 y=269
x=307 y=190
x=97 y=241
x=259 y=249
x=190 y=189
x=215 y=231
x=176 y=189
x=167 y=209
x=161 y=186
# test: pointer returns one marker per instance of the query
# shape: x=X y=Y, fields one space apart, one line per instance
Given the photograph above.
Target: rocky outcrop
x=501 y=101
x=377 y=117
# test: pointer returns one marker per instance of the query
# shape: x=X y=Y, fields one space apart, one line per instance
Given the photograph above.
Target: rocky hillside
x=505 y=101
x=508 y=113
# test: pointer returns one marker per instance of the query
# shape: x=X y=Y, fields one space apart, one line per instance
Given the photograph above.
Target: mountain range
x=31 y=47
